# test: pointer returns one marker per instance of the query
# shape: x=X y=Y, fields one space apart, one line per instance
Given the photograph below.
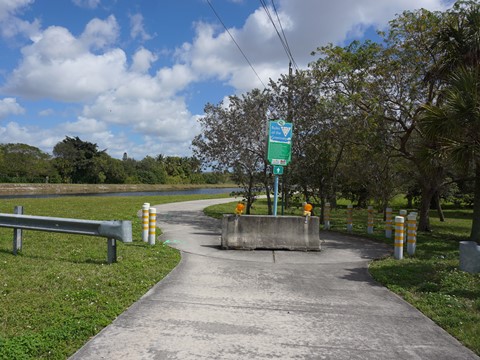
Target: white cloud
x=9 y=106
x=137 y=28
x=59 y=66
x=89 y=4
x=99 y=34
x=142 y=60
x=84 y=126
x=307 y=25
x=11 y=25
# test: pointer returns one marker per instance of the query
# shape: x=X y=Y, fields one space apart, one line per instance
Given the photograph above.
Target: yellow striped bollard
x=152 y=225
x=145 y=208
x=388 y=223
x=326 y=217
x=411 y=233
x=370 y=220
x=398 y=244
x=403 y=213
x=349 y=218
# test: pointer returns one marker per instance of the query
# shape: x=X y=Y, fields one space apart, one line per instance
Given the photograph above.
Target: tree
x=234 y=138
x=455 y=121
x=75 y=160
x=25 y=163
x=382 y=88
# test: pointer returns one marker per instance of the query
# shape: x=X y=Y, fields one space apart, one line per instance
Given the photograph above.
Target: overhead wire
x=282 y=37
x=235 y=42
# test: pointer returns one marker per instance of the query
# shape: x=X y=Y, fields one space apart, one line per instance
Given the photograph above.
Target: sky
x=134 y=75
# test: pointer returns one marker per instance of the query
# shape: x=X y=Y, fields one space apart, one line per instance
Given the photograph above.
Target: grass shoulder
x=59 y=291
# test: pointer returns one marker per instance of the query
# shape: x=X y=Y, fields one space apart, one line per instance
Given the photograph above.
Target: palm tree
x=456 y=125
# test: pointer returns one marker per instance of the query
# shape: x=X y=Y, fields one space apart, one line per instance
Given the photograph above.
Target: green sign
x=277 y=170
x=279 y=142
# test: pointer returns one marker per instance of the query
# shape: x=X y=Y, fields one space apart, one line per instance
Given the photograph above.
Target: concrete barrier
x=470 y=257
x=251 y=232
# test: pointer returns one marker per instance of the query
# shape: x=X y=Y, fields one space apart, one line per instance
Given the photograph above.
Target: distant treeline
x=80 y=162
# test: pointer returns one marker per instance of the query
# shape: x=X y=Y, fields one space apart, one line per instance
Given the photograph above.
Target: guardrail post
x=370 y=220
x=388 y=223
x=326 y=216
x=145 y=209
x=349 y=218
x=111 y=251
x=398 y=245
x=152 y=225
x=411 y=233
x=17 y=233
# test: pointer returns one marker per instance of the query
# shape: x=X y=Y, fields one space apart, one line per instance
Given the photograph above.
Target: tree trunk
x=249 y=195
x=409 y=201
x=439 y=206
x=475 y=232
x=424 y=218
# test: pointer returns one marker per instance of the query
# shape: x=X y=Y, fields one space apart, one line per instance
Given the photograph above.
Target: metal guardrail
x=112 y=230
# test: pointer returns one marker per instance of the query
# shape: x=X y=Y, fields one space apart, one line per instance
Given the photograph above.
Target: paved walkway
x=220 y=304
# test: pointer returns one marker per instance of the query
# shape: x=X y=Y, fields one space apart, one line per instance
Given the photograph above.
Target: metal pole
x=111 y=251
x=275 y=195
x=17 y=233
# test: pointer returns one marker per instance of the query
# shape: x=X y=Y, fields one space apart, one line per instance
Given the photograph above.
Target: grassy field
x=59 y=291
x=429 y=280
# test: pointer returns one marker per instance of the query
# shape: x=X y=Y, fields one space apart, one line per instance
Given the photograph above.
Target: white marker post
x=398 y=245
x=145 y=208
x=349 y=218
x=326 y=217
x=411 y=233
x=403 y=213
x=370 y=220
x=388 y=223
x=152 y=225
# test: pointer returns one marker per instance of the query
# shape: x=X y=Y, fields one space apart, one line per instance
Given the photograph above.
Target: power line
x=238 y=46
x=284 y=36
x=283 y=39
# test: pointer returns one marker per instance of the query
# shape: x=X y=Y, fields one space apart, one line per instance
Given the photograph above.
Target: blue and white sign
x=280 y=131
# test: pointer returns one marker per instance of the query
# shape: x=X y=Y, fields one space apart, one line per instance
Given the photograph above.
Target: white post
x=370 y=220
x=145 y=208
x=403 y=213
x=152 y=225
x=398 y=245
x=326 y=217
x=411 y=233
x=388 y=223
x=349 y=218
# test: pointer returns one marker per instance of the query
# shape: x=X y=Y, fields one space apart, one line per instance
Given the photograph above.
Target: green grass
x=59 y=291
x=429 y=280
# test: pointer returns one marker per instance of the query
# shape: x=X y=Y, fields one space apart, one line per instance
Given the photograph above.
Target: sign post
x=279 y=151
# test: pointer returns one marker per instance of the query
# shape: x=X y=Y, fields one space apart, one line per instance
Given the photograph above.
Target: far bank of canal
x=13 y=191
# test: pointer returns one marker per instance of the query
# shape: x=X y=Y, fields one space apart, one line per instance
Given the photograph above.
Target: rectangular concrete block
x=270 y=232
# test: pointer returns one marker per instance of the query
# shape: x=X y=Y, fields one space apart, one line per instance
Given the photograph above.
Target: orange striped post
x=349 y=218
x=403 y=213
x=388 y=223
x=326 y=217
x=145 y=208
x=152 y=225
x=370 y=220
x=411 y=233
x=398 y=244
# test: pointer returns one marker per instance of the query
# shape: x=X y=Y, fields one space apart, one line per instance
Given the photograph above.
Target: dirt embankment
x=31 y=189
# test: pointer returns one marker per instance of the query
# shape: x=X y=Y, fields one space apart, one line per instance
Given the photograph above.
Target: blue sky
x=134 y=76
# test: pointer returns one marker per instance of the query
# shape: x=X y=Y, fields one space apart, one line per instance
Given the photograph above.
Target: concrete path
x=221 y=304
